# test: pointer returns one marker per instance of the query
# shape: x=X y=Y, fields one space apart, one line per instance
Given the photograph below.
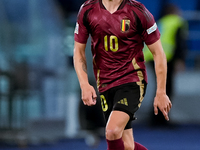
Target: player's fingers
x=84 y=102
x=165 y=114
x=91 y=101
x=88 y=99
x=168 y=108
x=155 y=110
x=170 y=104
x=94 y=97
x=84 y=99
x=167 y=117
x=94 y=100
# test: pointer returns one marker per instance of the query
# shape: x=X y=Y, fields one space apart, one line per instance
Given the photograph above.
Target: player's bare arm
x=84 y=66
x=161 y=100
x=80 y=64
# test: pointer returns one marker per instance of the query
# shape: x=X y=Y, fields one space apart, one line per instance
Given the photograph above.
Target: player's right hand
x=88 y=95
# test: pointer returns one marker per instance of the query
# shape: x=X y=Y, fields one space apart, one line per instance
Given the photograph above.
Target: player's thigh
x=116 y=124
x=128 y=139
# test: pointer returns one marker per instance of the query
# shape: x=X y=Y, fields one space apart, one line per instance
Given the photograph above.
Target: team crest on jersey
x=125 y=25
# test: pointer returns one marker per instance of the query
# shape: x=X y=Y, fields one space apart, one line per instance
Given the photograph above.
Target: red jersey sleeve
x=150 y=32
x=81 y=32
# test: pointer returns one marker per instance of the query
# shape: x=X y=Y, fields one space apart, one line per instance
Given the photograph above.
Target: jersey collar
x=120 y=6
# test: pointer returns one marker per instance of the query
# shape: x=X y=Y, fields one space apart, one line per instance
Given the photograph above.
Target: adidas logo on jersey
x=123 y=101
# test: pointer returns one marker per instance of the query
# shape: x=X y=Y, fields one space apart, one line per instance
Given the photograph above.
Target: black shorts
x=127 y=98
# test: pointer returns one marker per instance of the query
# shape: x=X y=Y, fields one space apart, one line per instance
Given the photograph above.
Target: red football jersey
x=117 y=40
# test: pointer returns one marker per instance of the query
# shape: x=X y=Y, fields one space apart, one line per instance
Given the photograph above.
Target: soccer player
x=118 y=30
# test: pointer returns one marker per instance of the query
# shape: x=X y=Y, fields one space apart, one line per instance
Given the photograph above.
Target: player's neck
x=112 y=5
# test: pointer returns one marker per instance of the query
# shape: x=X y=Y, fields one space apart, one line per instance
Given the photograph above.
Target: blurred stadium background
x=40 y=105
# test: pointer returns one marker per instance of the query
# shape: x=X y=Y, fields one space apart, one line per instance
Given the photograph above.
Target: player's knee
x=113 y=133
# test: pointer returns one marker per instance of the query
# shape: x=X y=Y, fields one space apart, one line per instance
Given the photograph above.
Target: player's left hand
x=162 y=102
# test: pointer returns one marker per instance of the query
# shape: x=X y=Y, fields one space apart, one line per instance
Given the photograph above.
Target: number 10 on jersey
x=112 y=41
